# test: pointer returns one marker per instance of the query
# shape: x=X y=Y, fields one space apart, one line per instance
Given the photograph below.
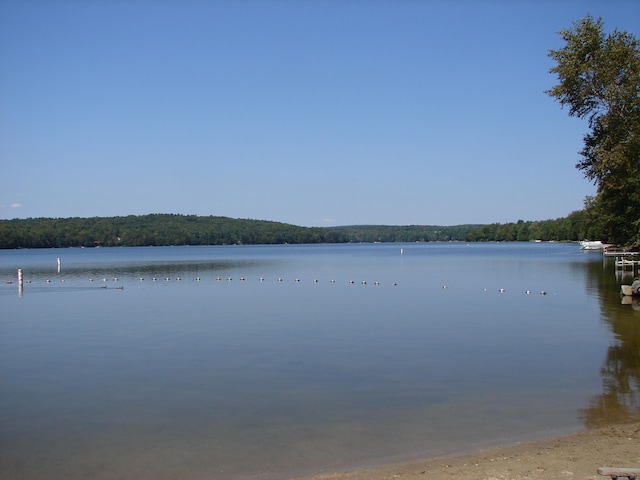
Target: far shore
x=576 y=456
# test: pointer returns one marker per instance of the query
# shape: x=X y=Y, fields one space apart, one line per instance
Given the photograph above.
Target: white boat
x=592 y=245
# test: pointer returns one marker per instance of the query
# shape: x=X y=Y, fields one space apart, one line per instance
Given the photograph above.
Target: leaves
x=599 y=79
x=165 y=229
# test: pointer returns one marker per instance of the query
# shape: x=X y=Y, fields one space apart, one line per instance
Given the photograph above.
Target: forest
x=170 y=229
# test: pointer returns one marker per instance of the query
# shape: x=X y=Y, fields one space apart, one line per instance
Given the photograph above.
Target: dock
x=625 y=260
x=627 y=264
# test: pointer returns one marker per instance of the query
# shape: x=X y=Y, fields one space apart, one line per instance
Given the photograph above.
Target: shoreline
x=577 y=455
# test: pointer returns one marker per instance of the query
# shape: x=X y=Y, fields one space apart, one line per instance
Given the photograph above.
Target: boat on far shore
x=592 y=245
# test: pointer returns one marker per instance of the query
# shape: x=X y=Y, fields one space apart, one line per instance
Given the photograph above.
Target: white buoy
x=20 y=280
x=402 y=251
x=58 y=260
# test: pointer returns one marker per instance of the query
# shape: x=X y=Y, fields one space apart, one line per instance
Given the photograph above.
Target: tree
x=599 y=80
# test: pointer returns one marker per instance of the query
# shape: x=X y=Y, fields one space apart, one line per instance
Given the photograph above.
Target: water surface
x=280 y=361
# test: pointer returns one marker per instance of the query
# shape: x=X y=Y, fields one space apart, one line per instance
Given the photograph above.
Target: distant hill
x=408 y=233
x=168 y=229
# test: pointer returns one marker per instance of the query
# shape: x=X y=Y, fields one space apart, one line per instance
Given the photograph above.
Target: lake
x=271 y=362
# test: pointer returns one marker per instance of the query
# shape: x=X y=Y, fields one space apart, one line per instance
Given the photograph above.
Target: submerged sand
x=576 y=456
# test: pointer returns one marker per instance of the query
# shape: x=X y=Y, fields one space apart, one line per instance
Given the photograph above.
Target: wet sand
x=576 y=456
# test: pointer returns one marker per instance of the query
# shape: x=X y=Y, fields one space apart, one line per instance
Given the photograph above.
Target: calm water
x=301 y=368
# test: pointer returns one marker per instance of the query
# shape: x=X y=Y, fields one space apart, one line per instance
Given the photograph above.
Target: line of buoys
x=198 y=279
x=261 y=279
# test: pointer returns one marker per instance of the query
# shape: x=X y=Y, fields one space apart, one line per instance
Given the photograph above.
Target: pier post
x=20 y=282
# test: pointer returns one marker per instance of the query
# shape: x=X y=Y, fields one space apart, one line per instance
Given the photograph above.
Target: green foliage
x=599 y=79
x=409 y=233
x=574 y=227
x=194 y=230
x=153 y=230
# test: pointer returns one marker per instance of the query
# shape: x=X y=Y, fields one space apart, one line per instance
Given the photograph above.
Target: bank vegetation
x=169 y=229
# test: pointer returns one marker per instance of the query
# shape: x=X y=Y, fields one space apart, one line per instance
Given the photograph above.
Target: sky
x=313 y=113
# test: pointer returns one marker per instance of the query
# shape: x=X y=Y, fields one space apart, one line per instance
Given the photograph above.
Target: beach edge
x=577 y=455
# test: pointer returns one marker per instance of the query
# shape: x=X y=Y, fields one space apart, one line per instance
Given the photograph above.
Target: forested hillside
x=153 y=230
x=406 y=233
x=573 y=227
x=166 y=229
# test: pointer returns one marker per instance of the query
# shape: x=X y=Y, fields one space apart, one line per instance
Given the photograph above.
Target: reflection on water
x=302 y=359
x=620 y=398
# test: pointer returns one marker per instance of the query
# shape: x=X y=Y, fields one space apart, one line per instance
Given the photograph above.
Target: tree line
x=169 y=229
x=574 y=227
x=157 y=229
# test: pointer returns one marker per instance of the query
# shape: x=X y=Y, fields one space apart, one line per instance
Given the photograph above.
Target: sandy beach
x=571 y=457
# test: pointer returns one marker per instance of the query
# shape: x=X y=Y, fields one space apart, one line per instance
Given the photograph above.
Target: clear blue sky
x=309 y=112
